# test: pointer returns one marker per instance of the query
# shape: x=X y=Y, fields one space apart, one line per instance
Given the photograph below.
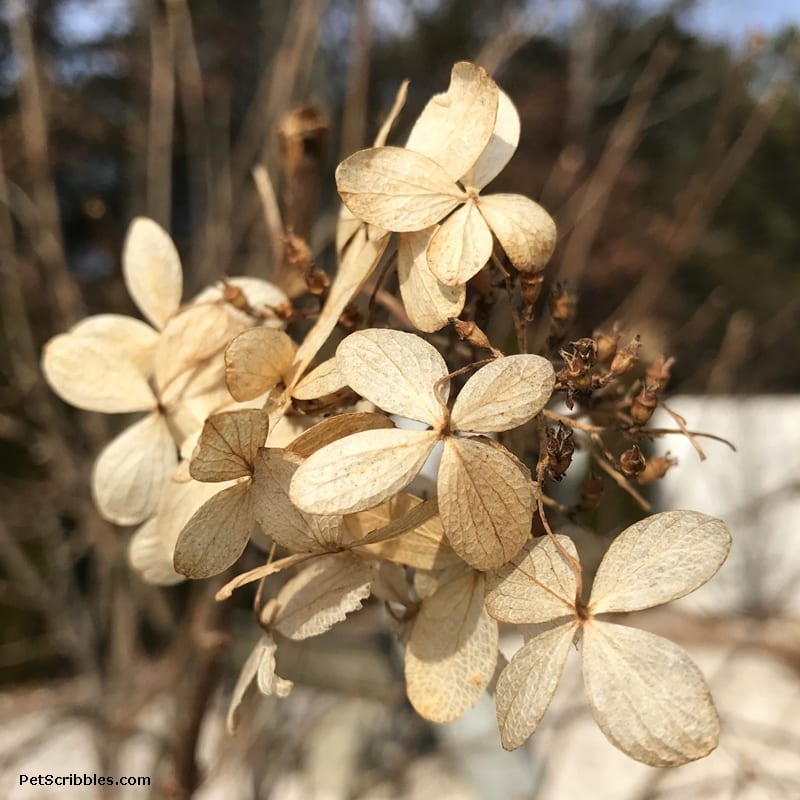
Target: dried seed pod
x=350 y=318
x=607 y=343
x=658 y=373
x=627 y=357
x=657 y=467
x=562 y=305
x=591 y=492
x=586 y=350
x=471 y=333
x=530 y=289
x=560 y=447
x=632 y=462
x=644 y=404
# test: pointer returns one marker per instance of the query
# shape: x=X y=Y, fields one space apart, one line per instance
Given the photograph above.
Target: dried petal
x=334 y=428
x=228 y=445
x=452 y=651
x=527 y=685
x=504 y=394
x=322 y=594
x=131 y=470
x=461 y=247
x=131 y=338
x=396 y=371
x=149 y=556
x=658 y=559
x=538 y=585
x=396 y=189
x=256 y=361
x=526 y=232
x=324 y=379
x=360 y=471
x=485 y=501
x=151 y=268
x=647 y=695
x=92 y=374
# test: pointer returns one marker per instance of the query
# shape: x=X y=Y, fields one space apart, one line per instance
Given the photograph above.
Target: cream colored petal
x=129 y=337
x=324 y=379
x=461 y=247
x=429 y=303
x=131 y=470
x=391 y=117
x=538 y=585
x=504 y=394
x=217 y=534
x=347 y=226
x=267 y=678
x=646 y=694
x=333 y=429
x=360 y=471
x=527 y=685
x=451 y=654
x=228 y=445
x=91 y=374
x=422 y=547
x=149 y=556
x=485 y=501
x=152 y=271
x=396 y=371
x=658 y=559
x=178 y=502
x=396 y=189
x=526 y=232
x=502 y=145
x=322 y=594
x=256 y=361
x=455 y=127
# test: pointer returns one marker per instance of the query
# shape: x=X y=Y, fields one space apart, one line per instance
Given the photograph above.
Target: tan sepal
x=228 y=445
x=93 y=374
x=322 y=380
x=149 y=556
x=360 y=471
x=131 y=470
x=396 y=189
x=461 y=246
x=527 y=685
x=396 y=371
x=485 y=501
x=256 y=361
x=525 y=231
x=452 y=651
x=334 y=428
x=658 y=559
x=152 y=271
x=217 y=534
x=128 y=337
x=456 y=126
x=504 y=394
x=646 y=694
x=322 y=594
x=538 y=585
x=429 y=303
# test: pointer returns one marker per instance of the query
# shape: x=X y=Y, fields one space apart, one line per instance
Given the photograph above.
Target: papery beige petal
x=333 y=429
x=646 y=694
x=256 y=361
x=256 y=304
x=451 y=654
x=504 y=394
x=347 y=226
x=217 y=534
x=461 y=247
x=267 y=679
x=130 y=471
x=131 y=338
x=538 y=585
x=502 y=145
x=423 y=547
x=429 y=303
x=360 y=471
x=527 y=685
x=228 y=445
x=322 y=594
x=396 y=371
x=396 y=189
x=92 y=374
x=658 y=559
x=178 y=502
x=485 y=501
x=455 y=127
x=149 y=556
x=322 y=380
x=526 y=232
x=152 y=271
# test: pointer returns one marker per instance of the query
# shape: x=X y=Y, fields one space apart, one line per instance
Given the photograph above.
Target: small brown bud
x=350 y=318
x=632 y=462
x=317 y=281
x=657 y=467
x=591 y=492
x=560 y=447
x=235 y=296
x=285 y=312
x=644 y=404
x=659 y=372
x=562 y=305
x=626 y=358
x=586 y=350
x=607 y=343
x=530 y=289
x=471 y=333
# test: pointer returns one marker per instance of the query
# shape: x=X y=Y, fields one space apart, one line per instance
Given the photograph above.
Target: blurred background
x=663 y=138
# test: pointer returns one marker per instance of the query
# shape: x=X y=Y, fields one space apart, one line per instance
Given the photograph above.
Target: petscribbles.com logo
x=85 y=779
